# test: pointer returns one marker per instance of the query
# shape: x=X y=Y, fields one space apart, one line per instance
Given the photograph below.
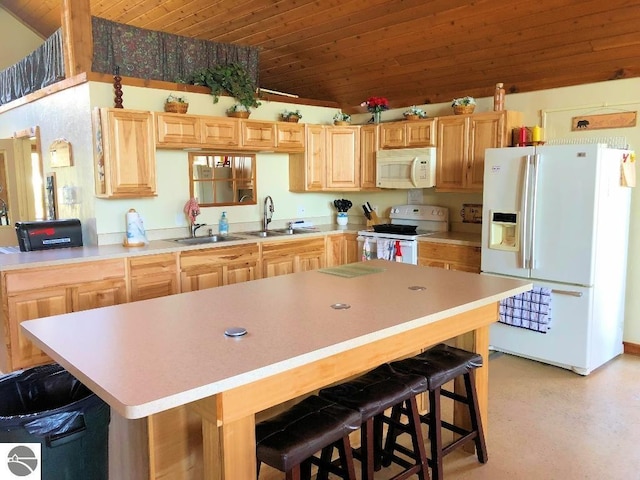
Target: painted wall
x=16 y=39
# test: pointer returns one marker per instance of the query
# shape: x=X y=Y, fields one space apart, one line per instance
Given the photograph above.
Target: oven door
x=384 y=248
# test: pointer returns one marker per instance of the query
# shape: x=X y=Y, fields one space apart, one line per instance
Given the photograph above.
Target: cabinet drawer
x=152 y=265
x=69 y=274
x=449 y=253
x=216 y=257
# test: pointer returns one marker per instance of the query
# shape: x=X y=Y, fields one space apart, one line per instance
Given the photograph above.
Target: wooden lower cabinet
x=451 y=257
x=214 y=267
x=59 y=289
x=284 y=257
x=336 y=248
x=153 y=276
x=353 y=253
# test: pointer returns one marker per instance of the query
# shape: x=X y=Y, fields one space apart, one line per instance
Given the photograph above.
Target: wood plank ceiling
x=410 y=51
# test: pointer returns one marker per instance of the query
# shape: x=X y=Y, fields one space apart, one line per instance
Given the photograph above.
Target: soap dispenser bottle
x=223 y=226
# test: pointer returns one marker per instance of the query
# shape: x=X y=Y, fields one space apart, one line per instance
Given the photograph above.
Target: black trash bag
x=43 y=400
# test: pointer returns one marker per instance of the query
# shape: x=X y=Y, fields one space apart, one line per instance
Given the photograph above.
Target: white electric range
x=407 y=223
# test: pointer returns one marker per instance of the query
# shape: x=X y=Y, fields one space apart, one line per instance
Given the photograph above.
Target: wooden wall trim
x=631 y=348
x=77 y=37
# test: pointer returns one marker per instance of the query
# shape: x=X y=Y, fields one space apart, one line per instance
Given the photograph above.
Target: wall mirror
x=60 y=153
x=218 y=179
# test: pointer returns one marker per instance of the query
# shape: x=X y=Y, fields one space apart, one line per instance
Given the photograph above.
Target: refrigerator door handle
x=534 y=193
x=524 y=203
x=572 y=293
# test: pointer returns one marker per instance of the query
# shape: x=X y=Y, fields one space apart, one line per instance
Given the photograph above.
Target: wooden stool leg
x=346 y=454
x=392 y=435
x=294 y=473
x=435 y=434
x=474 y=414
x=366 y=449
x=418 y=443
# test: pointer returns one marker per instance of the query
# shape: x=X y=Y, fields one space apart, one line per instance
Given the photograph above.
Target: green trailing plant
x=295 y=113
x=232 y=78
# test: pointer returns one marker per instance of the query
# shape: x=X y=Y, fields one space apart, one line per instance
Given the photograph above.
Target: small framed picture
x=50 y=207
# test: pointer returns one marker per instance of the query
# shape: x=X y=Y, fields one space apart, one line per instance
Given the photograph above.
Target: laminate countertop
x=146 y=357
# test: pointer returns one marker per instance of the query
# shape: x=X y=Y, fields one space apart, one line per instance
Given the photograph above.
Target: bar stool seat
x=290 y=440
x=440 y=365
x=373 y=393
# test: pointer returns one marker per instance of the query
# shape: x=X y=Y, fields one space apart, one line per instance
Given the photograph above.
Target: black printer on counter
x=48 y=234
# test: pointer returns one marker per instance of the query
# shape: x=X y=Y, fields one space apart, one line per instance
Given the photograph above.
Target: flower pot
x=341 y=123
x=176 y=107
x=412 y=117
x=463 y=109
x=291 y=118
x=239 y=114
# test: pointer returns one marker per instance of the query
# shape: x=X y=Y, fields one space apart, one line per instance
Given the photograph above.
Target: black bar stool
x=290 y=440
x=371 y=394
x=440 y=365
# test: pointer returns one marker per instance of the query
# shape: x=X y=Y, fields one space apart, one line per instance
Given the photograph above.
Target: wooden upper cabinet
x=290 y=137
x=125 y=153
x=343 y=158
x=220 y=132
x=307 y=171
x=462 y=140
x=177 y=130
x=419 y=133
x=368 y=149
x=260 y=135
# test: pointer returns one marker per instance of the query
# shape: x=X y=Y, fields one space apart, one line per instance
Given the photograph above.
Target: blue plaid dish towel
x=530 y=310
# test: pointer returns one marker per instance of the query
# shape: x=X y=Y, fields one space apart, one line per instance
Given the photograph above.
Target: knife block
x=374 y=219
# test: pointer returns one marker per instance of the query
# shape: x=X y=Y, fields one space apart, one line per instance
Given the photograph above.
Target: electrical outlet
x=300 y=211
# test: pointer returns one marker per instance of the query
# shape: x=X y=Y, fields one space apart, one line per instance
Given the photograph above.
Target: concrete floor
x=546 y=423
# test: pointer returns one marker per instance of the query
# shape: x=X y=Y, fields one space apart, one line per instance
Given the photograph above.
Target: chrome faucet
x=194 y=227
x=268 y=212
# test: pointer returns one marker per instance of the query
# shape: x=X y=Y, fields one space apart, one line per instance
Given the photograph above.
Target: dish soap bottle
x=223 y=226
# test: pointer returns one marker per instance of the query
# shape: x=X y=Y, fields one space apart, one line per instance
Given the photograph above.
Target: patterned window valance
x=137 y=52
x=42 y=67
x=156 y=55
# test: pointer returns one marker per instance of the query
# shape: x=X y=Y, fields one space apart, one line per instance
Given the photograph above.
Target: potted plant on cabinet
x=176 y=104
x=414 y=113
x=238 y=110
x=232 y=78
x=463 y=105
x=293 y=116
x=341 y=119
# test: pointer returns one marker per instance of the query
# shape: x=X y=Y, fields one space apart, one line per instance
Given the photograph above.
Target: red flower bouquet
x=376 y=104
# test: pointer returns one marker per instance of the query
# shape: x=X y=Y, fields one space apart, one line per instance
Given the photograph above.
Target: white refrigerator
x=558 y=215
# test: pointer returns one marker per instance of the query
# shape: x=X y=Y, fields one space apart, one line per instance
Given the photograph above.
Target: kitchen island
x=146 y=357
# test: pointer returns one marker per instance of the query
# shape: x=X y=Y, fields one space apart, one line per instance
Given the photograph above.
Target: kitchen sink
x=264 y=233
x=290 y=231
x=205 y=240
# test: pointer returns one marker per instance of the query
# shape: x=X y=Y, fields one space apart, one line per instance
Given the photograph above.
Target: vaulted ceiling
x=410 y=51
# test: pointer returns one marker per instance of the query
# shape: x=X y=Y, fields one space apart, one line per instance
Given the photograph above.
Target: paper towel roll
x=135 y=229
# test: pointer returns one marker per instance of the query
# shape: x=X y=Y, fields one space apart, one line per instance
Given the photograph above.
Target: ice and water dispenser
x=504 y=231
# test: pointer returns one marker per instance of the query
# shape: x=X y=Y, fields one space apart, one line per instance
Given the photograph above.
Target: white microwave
x=406 y=168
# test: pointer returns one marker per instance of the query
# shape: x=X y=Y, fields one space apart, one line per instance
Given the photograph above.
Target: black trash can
x=47 y=405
